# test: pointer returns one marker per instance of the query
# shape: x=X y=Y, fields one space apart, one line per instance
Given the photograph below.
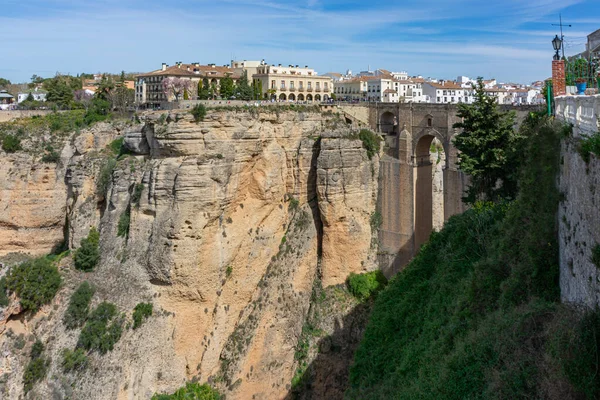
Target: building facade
x=149 y=86
x=292 y=83
x=37 y=94
x=446 y=93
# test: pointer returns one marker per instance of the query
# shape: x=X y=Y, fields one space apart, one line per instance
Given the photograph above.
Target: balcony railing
x=283 y=88
x=292 y=89
x=301 y=89
x=317 y=89
x=309 y=90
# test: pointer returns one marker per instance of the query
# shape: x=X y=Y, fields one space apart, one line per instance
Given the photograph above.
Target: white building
x=38 y=95
x=446 y=93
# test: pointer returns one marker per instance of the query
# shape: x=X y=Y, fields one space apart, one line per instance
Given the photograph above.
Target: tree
x=121 y=96
x=227 y=87
x=4 y=83
x=60 y=90
x=30 y=97
x=203 y=89
x=488 y=147
x=175 y=87
x=243 y=89
x=257 y=89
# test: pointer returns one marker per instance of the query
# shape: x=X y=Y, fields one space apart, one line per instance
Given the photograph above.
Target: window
x=325 y=85
x=318 y=85
x=273 y=84
x=283 y=84
x=300 y=84
x=309 y=85
x=291 y=84
x=430 y=122
x=439 y=100
x=452 y=99
x=445 y=99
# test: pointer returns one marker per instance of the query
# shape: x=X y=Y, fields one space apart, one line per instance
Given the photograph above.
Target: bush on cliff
x=79 y=306
x=198 y=112
x=363 y=286
x=476 y=314
x=35 y=282
x=87 y=255
x=102 y=330
x=371 y=142
x=191 y=391
x=11 y=143
x=37 y=368
x=141 y=312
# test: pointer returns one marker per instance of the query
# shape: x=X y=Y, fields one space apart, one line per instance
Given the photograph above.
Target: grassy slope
x=476 y=313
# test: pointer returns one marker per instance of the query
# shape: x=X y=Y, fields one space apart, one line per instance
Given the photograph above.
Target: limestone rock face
x=232 y=221
x=32 y=204
x=347 y=194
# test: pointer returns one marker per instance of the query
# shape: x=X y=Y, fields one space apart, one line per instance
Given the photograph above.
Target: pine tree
x=488 y=147
x=243 y=90
x=227 y=87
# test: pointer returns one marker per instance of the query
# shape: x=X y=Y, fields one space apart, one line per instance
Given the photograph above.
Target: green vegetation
x=588 y=145
x=141 y=312
x=302 y=352
x=228 y=271
x=51 y=155
x=476 y=314
x=363 y=286
x=199 y=112
x=116 y=146
x=136 y=196
x=191 y=391
x=37 y=368
x=3 y=291
x=105 y=177
x=124 y=221
x=488 y=146
x=87 y=255
x=74 y=360
x=11 y=143
x=376 y=220
x=35 y=282
x=226 y=87
x=102 y=330
x=595 y=258
x=371 y=142
x=79 y=306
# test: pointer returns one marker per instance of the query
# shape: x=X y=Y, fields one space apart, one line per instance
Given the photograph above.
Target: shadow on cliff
x=326 y=377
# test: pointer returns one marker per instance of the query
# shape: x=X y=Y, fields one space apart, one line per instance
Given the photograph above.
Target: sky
x=509 y=40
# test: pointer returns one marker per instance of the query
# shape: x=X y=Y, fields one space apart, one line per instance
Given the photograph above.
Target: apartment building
x=446 y=92
x=293 y=83
x=149 y=89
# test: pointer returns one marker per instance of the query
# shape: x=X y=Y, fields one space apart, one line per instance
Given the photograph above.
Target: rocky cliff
x=234 y=221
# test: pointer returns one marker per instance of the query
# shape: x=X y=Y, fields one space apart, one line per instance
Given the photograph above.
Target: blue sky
x=505 y=39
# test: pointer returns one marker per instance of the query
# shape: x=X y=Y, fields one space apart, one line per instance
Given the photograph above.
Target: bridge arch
x=429 y=162
x=388 y=123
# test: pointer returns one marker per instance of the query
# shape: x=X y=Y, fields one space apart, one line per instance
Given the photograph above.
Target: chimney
x=296 y=65
x=164 y=66
x=306 y=66
x=279 y=65
x=196 y=64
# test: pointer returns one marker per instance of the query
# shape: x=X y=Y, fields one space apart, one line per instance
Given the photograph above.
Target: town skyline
x=506 y=40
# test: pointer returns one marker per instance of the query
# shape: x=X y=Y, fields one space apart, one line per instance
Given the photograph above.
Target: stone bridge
x=420 y=186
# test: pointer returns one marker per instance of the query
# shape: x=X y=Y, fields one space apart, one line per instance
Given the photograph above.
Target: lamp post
x=557 y=44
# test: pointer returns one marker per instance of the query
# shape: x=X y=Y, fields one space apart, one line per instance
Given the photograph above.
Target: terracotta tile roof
x=445 y=85
x=334 y=74
x=389 y=91
x=204 y=71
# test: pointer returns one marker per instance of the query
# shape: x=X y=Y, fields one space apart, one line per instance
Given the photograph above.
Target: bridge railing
x=583 y=112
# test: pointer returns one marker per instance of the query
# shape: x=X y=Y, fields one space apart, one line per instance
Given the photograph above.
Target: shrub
x=137 y=194
x=74 y=360
x=589 y=145
x=228 y=271
x=191 y=391
x=87 y=255
x=140 y=313
x=51 y=155
x=116 y=146
x=105 y=177
x=198 y=112
x=595 y=257
x=363 y=286
x=294 y=203
x=3 y=290
x=11 y=143
x=37 y=368
x=376 y=220
x=79 y=306
x=124 y=221
x=102 y=330
x=371 y=142
x=35 y=282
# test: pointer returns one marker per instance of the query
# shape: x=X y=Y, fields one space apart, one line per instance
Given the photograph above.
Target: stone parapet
x=580 y=111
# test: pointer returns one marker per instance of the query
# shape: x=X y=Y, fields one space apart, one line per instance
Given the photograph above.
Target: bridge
x=420 y=185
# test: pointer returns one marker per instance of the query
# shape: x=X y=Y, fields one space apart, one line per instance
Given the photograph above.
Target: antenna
x=562 y=37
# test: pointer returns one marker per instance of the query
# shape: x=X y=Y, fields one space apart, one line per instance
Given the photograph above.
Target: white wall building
x=446 y=93
x=38 y=95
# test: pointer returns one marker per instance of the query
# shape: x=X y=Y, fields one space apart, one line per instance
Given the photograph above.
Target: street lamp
x=557 y=44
